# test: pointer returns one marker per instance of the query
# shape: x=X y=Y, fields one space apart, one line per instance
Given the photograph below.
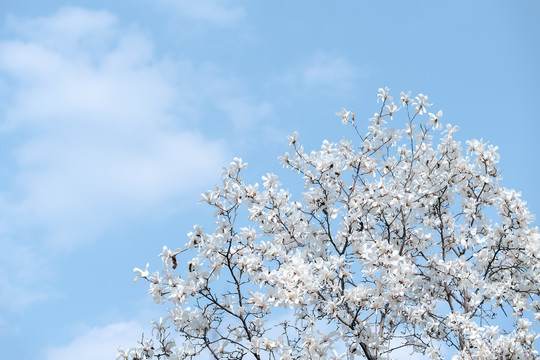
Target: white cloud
x=22 y=284
x=98 y=343
x=328 y=70
x=211 y=11
x=325 y=71
x=68 y=29
x=244 y=114
x=102 y=140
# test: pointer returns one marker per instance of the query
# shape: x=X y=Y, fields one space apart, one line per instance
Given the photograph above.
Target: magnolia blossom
x=402 y=238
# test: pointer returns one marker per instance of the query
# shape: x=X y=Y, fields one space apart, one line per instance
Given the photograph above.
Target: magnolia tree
x=401 y=239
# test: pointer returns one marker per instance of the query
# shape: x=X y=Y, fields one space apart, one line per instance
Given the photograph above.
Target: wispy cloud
x=101 y=139
x=68 y=29
x=244 y=114
x=22 y=284
x=325 y=71
x=219 y=12
x=335 y=71
x=98 y=343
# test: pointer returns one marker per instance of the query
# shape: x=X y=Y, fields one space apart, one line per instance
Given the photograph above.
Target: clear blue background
x=97 y=95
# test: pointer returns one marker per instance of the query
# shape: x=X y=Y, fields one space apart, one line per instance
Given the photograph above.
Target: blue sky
x=115 y=116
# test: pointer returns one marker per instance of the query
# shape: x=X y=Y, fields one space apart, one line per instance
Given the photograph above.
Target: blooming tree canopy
x=401 y=239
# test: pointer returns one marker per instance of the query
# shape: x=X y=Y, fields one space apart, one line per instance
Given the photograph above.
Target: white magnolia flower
x=141 y=273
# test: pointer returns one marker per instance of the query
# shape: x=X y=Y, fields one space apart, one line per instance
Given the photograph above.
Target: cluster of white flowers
x=402 y=239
